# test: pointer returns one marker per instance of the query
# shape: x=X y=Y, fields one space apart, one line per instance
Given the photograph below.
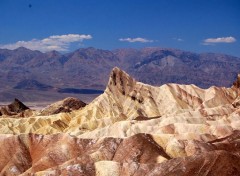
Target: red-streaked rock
x=65 y=154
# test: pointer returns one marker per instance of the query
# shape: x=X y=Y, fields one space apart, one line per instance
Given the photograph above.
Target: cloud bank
x=55 y=42
x=133 y=40
x=210 y=41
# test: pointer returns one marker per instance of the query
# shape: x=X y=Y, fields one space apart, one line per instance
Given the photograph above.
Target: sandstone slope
x=131 y=129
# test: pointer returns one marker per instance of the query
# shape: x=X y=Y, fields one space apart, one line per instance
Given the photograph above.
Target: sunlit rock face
x=131 y=129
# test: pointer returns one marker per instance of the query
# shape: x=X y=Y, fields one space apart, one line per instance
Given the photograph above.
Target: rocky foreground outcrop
x=131 y=129
x=62 y=154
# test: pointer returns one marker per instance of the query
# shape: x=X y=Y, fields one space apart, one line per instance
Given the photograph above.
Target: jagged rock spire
x=120 y=81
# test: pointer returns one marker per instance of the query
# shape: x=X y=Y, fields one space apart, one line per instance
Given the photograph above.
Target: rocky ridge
x=131 y=129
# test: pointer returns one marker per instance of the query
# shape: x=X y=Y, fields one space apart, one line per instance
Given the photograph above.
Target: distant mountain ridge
x=88 y=68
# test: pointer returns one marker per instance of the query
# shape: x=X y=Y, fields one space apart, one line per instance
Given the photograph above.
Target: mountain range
x=53 y=75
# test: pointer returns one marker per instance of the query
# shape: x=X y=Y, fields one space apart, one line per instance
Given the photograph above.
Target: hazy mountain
x=88 y=68
x=160 y=66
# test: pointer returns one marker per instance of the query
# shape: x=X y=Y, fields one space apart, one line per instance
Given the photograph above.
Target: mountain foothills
x=131 y=129
x=45 y=76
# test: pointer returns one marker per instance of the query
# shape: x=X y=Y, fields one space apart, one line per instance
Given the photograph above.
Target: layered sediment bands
x=126 y=99
x=140 y=154
x=131 y=129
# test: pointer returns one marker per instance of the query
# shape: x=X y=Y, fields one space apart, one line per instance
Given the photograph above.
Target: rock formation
x=15 y=109
x=67 y=105
x=131 y=129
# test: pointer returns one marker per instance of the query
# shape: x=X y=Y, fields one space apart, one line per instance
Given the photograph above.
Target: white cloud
x=211 y=41
x=70 y=37
x=55 y=42
x=138 y=39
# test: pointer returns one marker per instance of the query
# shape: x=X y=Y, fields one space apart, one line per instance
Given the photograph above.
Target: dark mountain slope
x=88 y=68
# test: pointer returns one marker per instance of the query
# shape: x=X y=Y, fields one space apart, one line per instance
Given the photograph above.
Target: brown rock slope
x=131 y=129
x=16 y=109
x=67 y=105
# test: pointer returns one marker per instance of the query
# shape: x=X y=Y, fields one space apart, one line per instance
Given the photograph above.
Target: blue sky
x=65 y=25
